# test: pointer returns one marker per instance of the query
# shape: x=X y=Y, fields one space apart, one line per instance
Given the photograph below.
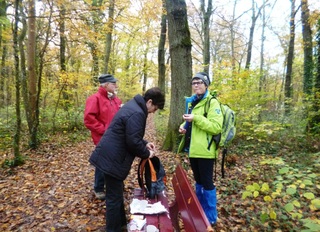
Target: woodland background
x=265 y=67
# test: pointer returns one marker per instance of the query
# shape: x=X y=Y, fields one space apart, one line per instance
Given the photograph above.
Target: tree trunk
x=3 y=74
x=95 y=61
x=162 y=51
x=261 y=72
x=23 y=68
x=3 y=46
x=62 y=15
x=288 y=83
x=95 y=23
x=254 y=18
x=41 y=60
x=16 y=140
x=145 y=68
x=63 y=66
x=206 y=33
x=181 y=67
x=307 y=49
x=32 y=76
x=109 y=36
x=232 y=40
x=314 y=122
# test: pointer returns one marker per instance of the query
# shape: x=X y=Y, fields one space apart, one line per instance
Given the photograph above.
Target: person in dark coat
x=119 y=146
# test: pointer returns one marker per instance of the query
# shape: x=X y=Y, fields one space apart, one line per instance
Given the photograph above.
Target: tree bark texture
x=288 y=79
x=145 y=67
x=3 y=51
x=162 y=51
x=32 y=74
x=206 y=13
x=109 y=36
x=307 y=48
x=261 y=70
x=62 y=15
x=23 y=67
x=254 y=18
x=315 y=117
x=16 y=140
x=181 y=67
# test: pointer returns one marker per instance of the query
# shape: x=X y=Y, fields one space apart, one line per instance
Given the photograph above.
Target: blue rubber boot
x=210 y=205
x=199 y=193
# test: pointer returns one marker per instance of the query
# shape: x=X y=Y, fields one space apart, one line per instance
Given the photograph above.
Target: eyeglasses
x=197 y=83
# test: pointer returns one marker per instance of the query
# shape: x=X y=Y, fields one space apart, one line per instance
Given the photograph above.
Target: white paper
x=142 y=207
x=152 y=228
x=140 y=223
x=136 y=224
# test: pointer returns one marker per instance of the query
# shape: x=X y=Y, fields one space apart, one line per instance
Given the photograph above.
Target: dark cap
x=104 y=78
x=203 y=76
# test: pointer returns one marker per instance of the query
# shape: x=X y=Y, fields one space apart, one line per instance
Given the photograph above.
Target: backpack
x=151 y=176
x=228 y=133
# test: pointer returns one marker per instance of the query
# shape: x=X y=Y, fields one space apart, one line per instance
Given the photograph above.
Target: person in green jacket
x=198 y=131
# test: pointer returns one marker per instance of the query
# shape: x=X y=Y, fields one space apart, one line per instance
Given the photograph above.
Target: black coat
x=123 y=140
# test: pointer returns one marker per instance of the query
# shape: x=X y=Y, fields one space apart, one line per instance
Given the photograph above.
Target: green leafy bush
x=291 y=194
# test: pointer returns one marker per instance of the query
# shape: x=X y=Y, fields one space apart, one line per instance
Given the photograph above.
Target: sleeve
x=91 y=114
x=135 y=129
x=212 y=124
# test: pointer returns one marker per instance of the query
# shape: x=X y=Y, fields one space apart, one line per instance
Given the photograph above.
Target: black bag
x=151 y=176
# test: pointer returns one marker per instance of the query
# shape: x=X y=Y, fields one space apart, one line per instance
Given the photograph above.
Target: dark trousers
x=98 y=180
x=115 y=212
x=203 y=172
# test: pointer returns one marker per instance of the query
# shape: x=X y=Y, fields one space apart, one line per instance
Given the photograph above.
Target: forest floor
x=53 y=191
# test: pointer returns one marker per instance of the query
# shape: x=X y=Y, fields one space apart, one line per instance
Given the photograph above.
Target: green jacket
x=203 y=128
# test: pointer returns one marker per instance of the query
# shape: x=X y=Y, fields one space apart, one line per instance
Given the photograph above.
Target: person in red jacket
x=99 y=111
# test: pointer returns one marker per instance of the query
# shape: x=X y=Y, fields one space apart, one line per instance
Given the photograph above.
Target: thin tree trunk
x=307 y=48
x=3 y=15
x=25 y=95
x=62 y=15
x=232 y=40
x=16 y=140
x=95 y=23
x=145 y=68
x=254 y=18
x=206 y=33
x=261 y=72
x=288 y=79
x=41 y=62
x=95 y=61
x=162 y=51
x=314 y=122
x=3 y=74
x=109 y=36
x=63 y=66
x=181 y=67
x=263 y=37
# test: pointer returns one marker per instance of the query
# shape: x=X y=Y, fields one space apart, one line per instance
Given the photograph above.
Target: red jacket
x=99 y=112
